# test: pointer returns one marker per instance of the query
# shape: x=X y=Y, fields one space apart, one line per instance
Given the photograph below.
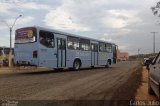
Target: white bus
x=37 y=46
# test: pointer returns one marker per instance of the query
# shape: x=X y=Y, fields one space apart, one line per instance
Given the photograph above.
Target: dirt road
x=86 y=84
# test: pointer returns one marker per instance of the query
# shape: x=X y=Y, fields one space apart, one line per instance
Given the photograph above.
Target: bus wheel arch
x=77 y=64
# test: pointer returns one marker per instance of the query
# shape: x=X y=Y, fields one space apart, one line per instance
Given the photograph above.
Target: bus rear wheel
x=76 y=65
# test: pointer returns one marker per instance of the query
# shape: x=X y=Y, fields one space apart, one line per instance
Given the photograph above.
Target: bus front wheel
x=76 y=65
x=107 y=65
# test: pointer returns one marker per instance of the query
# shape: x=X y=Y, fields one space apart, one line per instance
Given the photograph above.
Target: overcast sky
x=128 y=23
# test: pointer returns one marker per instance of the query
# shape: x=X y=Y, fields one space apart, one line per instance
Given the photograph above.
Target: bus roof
x=68 y=34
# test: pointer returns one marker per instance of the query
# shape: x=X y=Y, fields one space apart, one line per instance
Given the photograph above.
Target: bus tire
x=109 y=61
x=76 y=64
x=92 y=67
x=107 y=66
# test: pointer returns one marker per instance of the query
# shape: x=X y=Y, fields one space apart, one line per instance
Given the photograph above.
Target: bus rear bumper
x=25 y=63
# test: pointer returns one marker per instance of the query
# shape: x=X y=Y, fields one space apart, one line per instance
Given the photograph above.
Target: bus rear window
x=25 y=35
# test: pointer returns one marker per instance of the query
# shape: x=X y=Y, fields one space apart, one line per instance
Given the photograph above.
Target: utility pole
x=138 y=53
x=10 y=30
x=154 y=45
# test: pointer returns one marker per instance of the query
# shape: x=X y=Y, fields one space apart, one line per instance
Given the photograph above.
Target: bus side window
x=47 y=39
x=84 y=44
x=6 y=51
x=73 y=43
x=92 y=47
x=101 y=47
x=105 y=48
x=109 y=47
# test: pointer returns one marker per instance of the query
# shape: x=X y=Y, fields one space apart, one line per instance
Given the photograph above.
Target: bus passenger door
x=94 y=54
x=115 y=48
x=61 y=52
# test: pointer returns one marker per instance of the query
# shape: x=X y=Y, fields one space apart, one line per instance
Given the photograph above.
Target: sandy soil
x=142 y=91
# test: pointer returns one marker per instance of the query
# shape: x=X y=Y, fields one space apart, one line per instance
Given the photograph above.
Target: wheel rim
x=76 y=65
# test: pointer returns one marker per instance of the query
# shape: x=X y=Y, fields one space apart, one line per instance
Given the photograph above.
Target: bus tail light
x=35 y=54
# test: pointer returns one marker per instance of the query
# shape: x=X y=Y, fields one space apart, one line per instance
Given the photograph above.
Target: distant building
x=122 y=56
